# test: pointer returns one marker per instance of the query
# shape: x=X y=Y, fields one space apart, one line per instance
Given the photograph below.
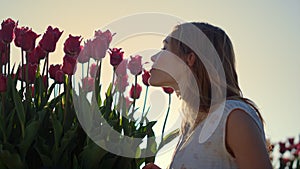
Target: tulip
x=3 y=56
x=93 y=70
x=282 y=147
x=168 y=90
x=98 y=48
x=135 y=91
x=49 y=39
x=56 y=73
x=3 y=85
x=45 y=81
x=128 y=102
x=85 y=53
x=39 y=52
x=53 y=70
x=122 y=83
x=31 y=58
x=291 y=141
x=69 y=65
x=60 y=76
x=25 y=38
x=7 y=31
x=116 y=56
x=88 y=84
x=121 y=70
x=104 y=35
x=145 y=77
x=135 y=65
x=72 y=45
x=31 y=72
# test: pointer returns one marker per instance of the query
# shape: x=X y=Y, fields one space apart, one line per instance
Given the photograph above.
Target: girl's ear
x=191 y=58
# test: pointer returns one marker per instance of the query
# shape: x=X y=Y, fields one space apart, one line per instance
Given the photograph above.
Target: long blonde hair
x=224 y=48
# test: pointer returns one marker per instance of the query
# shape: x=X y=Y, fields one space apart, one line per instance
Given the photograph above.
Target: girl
x=220 y=128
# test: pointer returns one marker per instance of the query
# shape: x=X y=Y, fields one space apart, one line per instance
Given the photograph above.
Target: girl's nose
x=154 y=57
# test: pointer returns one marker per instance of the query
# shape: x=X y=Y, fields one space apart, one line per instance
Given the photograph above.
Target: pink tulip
x=98 y=47
x=121 y=70
x=88 y=84
x=128 y=102
x=135 y=65
x=122 y=83
x=93 y=70
x=104 y=35
x=86 y=52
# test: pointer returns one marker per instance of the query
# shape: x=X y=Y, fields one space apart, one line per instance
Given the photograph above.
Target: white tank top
x=212 y=153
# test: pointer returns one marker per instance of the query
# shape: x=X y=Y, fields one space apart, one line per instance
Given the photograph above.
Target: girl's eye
x=163 y=48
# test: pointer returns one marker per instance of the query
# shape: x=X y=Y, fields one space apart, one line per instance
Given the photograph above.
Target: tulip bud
x=135 y=65
x=135 y=92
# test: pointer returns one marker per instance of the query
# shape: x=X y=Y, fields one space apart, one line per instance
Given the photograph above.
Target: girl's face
x=159 y=77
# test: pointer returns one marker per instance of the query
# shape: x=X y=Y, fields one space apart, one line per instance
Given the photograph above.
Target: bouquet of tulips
x=40 y=110
x=289 y=154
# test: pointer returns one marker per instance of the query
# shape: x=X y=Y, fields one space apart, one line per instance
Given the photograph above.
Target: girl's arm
x=243 y=139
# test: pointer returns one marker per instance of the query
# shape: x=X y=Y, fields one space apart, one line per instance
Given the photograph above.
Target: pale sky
x=265 y=35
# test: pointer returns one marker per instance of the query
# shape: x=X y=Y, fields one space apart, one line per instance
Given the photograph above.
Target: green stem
x=3 y=116
x=113 y=79
x=145 y=101
x=1 y=63
x=134 y=94
x=82 y=70
x=8 y=57
x=88 y=68
x=67 y=87
x=165 y=122
x=47 y=71
x=23 y=73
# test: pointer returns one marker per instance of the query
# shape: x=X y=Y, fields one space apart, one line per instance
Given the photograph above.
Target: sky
x=265 y=36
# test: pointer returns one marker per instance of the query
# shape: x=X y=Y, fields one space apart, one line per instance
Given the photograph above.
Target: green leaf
x=11 y=160
x=151 y=147
x=109 y=162
x=10 y=124
x=91 y=156
x=75 y=162
x=168 y=138
x=54 y=101
x=44 y=151
x=30 y=134
x=58 y=131
x=20 y=109
x=2 y=166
